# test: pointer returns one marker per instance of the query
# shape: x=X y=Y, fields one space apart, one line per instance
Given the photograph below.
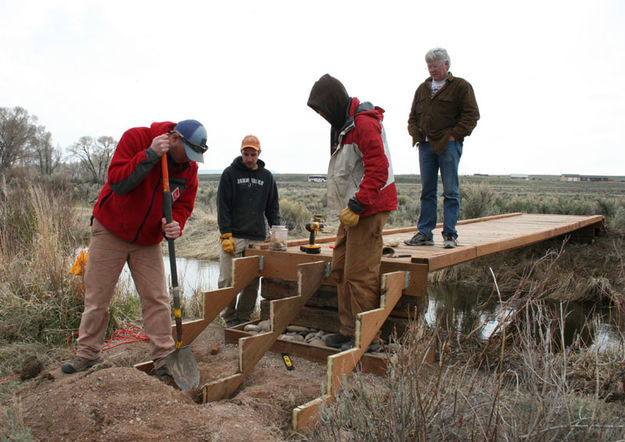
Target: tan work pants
x=242 y=308
x=107 y=256
x=356 y=268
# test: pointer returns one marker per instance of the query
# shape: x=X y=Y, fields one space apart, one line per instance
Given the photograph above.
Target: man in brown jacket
x=443 y=112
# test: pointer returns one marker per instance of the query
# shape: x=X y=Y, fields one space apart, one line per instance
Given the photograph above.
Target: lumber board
x=368 y=323
x=305 y=415
x=342 y=364
x=369 y=363
x=244 y=270
x=281 y=314
x=222 y=388
x=191 y=329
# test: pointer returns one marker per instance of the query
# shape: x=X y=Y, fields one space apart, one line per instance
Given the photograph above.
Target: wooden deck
x=476 y=238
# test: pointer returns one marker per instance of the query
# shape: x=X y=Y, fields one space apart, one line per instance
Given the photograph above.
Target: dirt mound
x=112 y=402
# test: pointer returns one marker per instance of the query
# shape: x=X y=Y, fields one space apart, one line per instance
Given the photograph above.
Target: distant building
x=317 y=178
x=574 y=177
x=519 y=176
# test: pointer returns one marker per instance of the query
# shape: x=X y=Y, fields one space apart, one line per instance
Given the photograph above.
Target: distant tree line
x=26 y=146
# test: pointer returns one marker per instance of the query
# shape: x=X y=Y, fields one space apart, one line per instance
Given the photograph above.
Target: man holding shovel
x=128 y=225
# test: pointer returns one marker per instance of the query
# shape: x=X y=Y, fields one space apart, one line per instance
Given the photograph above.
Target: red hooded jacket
x=130 y=205
x=360 y=173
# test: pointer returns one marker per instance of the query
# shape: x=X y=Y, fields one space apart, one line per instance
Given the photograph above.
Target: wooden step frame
x=244 y=270
x=342 y=364
x=253 y=348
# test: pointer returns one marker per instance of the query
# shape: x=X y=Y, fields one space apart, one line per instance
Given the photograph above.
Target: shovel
x=181 y=362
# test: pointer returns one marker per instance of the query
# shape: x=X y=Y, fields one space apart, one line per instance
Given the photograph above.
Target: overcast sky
x=547 y=75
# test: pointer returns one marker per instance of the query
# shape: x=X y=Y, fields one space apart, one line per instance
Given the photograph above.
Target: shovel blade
x=183 y=368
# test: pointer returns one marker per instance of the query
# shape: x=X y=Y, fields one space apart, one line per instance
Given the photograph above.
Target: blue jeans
x=429 y=164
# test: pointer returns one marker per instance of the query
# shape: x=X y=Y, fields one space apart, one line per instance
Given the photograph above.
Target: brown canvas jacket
x=452 y=111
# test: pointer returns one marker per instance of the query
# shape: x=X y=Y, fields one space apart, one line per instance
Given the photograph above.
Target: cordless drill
x=311 y=247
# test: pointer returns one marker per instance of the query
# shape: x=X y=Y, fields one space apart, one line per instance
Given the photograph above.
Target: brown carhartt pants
x=107 y=256
x=356 y=268
x=242 y=308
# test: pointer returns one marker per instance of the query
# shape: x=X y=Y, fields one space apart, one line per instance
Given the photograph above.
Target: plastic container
x=279 y=235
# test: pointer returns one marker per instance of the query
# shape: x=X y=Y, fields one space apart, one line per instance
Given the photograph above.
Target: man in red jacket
x=361 y=183
x=128 y=225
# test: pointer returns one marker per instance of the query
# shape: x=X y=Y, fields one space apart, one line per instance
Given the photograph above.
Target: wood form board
x=243 y=271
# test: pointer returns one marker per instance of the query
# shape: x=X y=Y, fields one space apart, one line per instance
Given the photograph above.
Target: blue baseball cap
x=193 y=135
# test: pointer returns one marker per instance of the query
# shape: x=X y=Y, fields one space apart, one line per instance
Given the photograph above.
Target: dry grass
x=521 y=383
x=200 y=238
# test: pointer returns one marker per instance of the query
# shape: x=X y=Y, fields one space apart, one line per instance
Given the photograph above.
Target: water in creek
x=469 y=306
x=193 y=274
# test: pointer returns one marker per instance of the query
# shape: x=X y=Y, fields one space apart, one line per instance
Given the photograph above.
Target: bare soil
x=115 y=402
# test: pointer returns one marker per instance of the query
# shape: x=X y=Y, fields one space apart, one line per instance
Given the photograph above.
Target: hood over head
x=329 y=97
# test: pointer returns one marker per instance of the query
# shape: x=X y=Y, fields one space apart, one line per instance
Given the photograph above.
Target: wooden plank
x=305 y=415
x=368 y=323
x=244 y=270
x=447 y=259
x=222 y=388
x=369 y=363
x=283 y=265
x=252 y=349
x=191 y=329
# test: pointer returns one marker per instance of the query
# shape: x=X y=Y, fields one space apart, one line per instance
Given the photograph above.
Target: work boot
x=234 y=322
x=419 y=240
x=338 y=340
x=78 y=364
x=449 y=241
x=160 y=367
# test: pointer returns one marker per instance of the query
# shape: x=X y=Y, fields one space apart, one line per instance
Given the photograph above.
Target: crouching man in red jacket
x=128 y=226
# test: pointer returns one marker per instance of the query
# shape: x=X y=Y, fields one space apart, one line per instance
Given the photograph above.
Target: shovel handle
x=167 y=209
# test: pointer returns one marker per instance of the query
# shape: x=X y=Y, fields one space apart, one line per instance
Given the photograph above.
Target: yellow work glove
x=348 y=217
x=227 y=243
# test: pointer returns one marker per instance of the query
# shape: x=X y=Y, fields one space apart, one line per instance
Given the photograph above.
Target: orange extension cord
x=130 y=333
